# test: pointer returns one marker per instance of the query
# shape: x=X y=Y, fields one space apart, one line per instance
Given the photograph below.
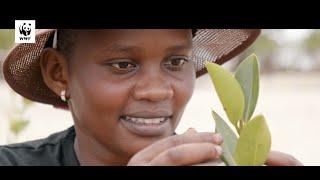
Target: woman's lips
x=155 y=126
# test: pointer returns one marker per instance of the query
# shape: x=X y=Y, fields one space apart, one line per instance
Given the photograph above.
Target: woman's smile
x=146 y=122
x=142 y=126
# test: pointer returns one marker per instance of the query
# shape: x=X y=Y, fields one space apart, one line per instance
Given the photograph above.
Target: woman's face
x=129 y=88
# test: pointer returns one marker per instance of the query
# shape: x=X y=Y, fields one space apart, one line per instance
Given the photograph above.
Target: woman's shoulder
x=56 y=149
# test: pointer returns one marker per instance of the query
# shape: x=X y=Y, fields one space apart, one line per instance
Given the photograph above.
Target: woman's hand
x=276 y=158
x=189 y=148
x=192 y=148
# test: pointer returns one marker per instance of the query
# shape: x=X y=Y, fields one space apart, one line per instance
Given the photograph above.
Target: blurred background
x=289 y=96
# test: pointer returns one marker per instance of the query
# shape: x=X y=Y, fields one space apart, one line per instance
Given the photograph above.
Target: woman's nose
x=153 y=88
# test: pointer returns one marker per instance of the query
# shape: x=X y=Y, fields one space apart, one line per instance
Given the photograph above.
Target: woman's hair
x=66 y=40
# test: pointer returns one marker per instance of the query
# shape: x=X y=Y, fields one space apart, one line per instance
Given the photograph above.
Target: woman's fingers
x=191 y=130
x=149 y=153
x=187 y=154
x=215 y=162
x=276 y=158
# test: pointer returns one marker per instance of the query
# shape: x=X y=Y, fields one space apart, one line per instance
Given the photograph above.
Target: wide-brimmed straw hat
x=23 y=74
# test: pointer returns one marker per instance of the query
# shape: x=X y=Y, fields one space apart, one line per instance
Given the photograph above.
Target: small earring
x=63 y=95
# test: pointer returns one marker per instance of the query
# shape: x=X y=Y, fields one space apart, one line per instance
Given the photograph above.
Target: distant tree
x=18 y=119
x=312 y=46
x=265 y=48
x=6 y=42
x=6 y=38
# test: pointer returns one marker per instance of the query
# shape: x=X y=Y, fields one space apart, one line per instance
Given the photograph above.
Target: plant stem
x=238 y=130
x=241 y=124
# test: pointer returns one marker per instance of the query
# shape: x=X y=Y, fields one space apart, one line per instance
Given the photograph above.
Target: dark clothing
x=55 y=150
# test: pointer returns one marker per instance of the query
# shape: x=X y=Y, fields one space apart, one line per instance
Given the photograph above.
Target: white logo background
x=25 y=31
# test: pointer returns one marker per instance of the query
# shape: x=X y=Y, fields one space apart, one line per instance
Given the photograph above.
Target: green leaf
x=229 y=139
x=247 y=75
x=254 y=143
x=229 y=91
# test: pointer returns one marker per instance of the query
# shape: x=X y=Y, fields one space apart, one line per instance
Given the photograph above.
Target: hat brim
x=22 y=70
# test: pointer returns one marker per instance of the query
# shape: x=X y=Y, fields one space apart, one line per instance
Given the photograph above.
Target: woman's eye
x=122 y=67
x=176 y=63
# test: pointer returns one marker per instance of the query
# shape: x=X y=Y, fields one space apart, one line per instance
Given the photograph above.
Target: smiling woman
x=120 y=83
x=126 y=90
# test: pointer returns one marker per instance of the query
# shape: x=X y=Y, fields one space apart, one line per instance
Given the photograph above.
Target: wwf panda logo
x=25 y=29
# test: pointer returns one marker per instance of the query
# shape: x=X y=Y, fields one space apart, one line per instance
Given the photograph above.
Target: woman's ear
x=54 y=69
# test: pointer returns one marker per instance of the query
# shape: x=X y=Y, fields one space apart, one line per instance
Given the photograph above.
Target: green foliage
x=228 y=90
x=239 y=94
x=18 y=125
x=254 y=143
x=247 y=75
x=312 y=43
x=18 y=120
x=6 y=38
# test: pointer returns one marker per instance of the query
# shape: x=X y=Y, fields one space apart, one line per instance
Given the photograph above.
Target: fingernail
x=218 y=150
x=191 y=130
x=217 y=138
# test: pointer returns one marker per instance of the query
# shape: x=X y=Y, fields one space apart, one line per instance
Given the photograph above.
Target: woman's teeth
x=148 y=121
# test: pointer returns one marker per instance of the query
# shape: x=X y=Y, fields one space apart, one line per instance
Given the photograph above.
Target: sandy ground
x=289 y=101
